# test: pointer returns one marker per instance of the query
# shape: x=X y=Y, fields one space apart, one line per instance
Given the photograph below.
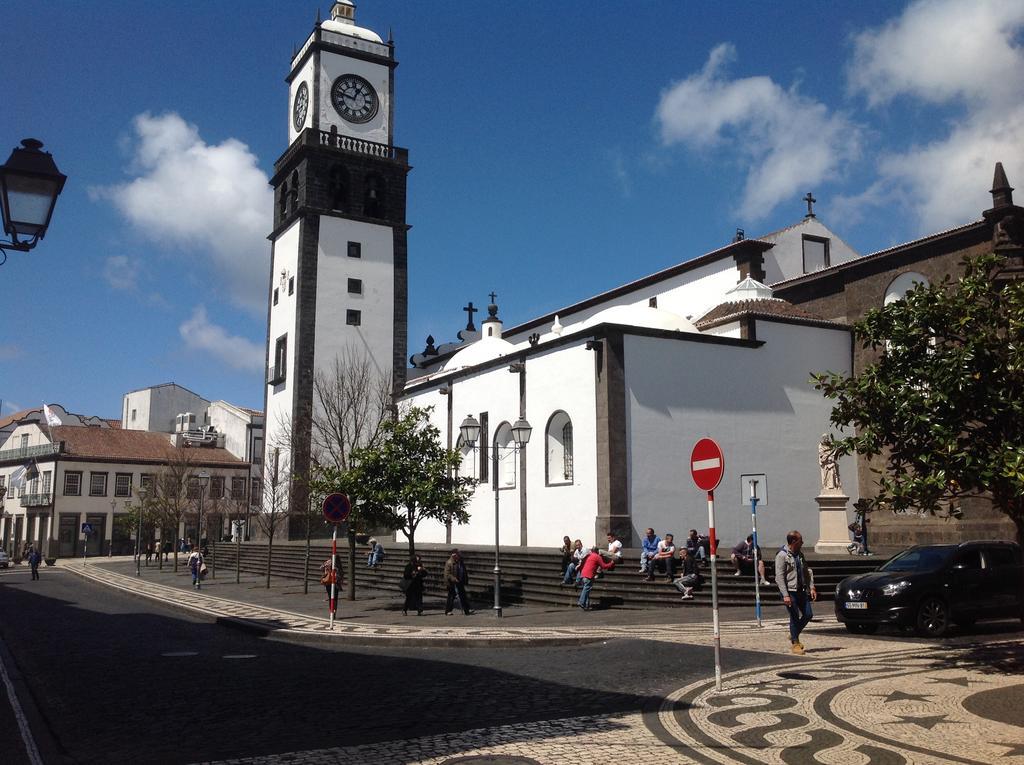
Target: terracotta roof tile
x=765 y=307
x=140 y=445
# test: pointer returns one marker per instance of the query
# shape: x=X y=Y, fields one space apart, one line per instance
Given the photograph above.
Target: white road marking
x=181 y=653
x=239 y=656
x=19 y=715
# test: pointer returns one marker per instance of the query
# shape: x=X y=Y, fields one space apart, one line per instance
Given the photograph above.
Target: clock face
x=300 y=106
x=354 y=98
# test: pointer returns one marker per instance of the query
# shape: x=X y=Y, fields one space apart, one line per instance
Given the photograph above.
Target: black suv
x=930 y=586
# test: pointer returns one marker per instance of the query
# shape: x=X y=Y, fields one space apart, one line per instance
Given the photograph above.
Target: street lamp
x=143 y=494
x=521 y=430
x=204 y=480
x=29 y=186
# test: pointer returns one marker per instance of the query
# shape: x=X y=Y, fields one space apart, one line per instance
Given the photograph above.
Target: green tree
x=407 y=476
x=943 y=403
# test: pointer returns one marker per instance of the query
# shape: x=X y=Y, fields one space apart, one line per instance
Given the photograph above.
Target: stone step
x=529 y=576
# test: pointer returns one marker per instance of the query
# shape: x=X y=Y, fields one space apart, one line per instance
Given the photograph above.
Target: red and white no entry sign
x=707 y=465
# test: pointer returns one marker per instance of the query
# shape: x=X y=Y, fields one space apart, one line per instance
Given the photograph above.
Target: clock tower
x=338 y=275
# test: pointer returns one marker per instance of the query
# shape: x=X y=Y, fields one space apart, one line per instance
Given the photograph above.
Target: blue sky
x=559 y=149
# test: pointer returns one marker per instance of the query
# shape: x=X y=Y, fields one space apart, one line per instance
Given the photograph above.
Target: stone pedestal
x=833 y=526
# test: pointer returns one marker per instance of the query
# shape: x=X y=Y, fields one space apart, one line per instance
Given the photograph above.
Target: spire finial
x=318 y=18
x=1002 y=191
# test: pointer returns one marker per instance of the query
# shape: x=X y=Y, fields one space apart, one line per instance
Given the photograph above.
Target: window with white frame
x=217 y=487
x=72 y=484
x=467 y=461
x=504 y=457
x=97 y=484
x=146 y=481
x=123 y=485
x=558 y=442
x=47 y=481
x=237 y=487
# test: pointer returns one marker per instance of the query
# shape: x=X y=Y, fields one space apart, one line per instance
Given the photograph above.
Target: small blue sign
x=87 y=528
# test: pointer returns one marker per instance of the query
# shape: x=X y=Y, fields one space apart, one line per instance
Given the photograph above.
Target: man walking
x=796 y=583
x=456 y=578
x=589 y=573
x=34 y=558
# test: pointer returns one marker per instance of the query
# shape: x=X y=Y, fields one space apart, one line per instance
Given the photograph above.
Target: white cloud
x=121 y=273
x=959 y=55
x=788 y=142
x=200 y=334
x=11 y=407
x=187 y=193
x=943 y=50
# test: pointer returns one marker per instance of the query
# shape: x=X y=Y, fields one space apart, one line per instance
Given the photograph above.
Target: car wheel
x=862 y=629
x=932 y=618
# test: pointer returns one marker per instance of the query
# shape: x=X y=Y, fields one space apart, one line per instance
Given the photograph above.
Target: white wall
x=376 y=269
x=559 y=380
x=785 y=259
x=760 y=407
x=282 y=321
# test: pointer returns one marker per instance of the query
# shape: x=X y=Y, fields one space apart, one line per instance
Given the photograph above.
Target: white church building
x=617 y=388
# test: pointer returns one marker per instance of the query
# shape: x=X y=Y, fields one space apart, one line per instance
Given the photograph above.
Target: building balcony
x=36 y=500
x=336 y=140
x=275 y=375
x=28 y=452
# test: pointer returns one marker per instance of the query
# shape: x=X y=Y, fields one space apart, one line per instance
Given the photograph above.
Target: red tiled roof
x=764 y=307
x=138 y=445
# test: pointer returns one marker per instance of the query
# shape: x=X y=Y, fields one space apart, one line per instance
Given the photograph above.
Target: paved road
x=120 y=679
x=114 y=669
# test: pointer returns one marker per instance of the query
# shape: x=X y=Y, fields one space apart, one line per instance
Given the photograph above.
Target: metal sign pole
x=333 y=604
x=757 y=573
x=714 y=590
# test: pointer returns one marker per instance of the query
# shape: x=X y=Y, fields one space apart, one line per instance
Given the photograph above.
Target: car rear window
x=920 y=559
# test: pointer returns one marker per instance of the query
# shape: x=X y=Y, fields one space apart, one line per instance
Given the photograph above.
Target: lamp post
x=29 y=186
x=521 y=430
x=143 y=491
x=204 y=479
x=110 y=549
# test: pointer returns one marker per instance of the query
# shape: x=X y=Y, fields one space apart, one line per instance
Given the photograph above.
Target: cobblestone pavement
x=922 y=705
x=852 y=699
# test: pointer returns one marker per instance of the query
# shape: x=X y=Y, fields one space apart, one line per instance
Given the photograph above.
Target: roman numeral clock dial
x=300 y=106
x=354 y=98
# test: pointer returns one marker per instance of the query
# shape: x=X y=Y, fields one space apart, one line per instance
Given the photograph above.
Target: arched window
x=558 y=441
x=902 y=284
x=373 y=197
x=282 y=201
x=293 y=197
x=338 y=188
x=504 y=457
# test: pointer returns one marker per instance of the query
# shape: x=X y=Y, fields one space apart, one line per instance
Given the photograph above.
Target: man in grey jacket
x=796 y=584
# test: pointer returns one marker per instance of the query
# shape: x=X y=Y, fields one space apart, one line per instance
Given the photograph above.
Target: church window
x=133 y=415
x=338 y=188
x=504 y=457
x=485 y=447
x=293 y=193
x=291 y=285
x=355 y=249
x=282 y=202
x=816 y=253
x=355 y=286
x=373 y=197
x=276 y=374
x=902 y=284
x=353 y=318
x=559 y=467
x=467 y=468
x=275 y=295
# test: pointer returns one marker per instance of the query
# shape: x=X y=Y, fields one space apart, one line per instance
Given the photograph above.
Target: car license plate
x=856 y=604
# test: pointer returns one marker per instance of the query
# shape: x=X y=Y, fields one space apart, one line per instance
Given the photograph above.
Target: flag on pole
x=51 y=419
x=17 y=480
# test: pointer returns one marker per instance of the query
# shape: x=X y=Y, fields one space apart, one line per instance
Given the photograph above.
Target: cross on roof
x=493 y=296
x=810 y=205
x=470 y=310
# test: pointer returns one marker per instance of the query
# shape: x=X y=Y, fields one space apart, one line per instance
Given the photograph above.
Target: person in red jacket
x=588 y=570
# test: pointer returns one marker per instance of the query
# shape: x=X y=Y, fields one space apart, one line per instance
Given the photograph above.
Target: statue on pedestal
x=830 y=481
